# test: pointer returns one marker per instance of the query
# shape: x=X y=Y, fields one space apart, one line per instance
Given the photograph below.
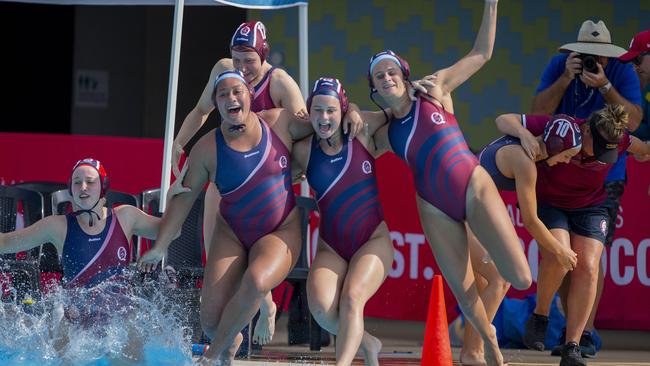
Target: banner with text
x=133 y=165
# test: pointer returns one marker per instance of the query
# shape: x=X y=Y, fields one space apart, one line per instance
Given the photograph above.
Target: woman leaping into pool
x=258 y=229
x=94 y=246
x=354 y=252
x=451 y=187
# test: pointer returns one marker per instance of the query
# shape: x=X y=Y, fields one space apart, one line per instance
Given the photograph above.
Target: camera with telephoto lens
x=589 y=63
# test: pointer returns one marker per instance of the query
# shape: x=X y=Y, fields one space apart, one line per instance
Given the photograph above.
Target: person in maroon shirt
x=572 y=198
x=512 y=169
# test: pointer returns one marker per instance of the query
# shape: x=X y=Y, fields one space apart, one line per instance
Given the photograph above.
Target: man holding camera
x=580 y=80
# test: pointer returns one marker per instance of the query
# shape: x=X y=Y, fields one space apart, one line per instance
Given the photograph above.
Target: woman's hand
x=641 y=158
x=353 y=122
x=177 y=152
x=423 y=86
x=530 y=145
x=568 y=258
x=302 y=114
x=177 y=187
x=149 y=261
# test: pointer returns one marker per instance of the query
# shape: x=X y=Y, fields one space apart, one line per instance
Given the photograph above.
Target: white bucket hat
x=594 y=39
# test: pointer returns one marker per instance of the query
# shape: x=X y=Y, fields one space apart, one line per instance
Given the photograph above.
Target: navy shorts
x=589 y=221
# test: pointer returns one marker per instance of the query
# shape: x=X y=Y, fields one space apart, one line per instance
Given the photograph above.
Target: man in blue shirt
x=584 y=77
x=639 y=55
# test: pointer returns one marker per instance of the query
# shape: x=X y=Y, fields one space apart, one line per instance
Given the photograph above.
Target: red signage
x=627 y=278
x=134 y=164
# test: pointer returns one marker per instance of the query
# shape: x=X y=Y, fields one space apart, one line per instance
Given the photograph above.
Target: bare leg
x=551 y=274
x=324 y=284
x=599 y=292
x=337 y=293
x=584 y=280
x=133 y=350
x=471 y=354
x=448 y=240
x=224 y=268
x=265 y=326
x=270 y=260
x=210 y=214
x=59 y=331
x=488 y=218
x=367 y=270
x=492 y=288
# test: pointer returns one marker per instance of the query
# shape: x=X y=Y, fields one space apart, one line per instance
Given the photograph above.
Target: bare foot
x=493 y=356
x=472 y=358
x=265 y=327
x=370 y=346
x=228 y=356
x=225 y=358
x=207 y=359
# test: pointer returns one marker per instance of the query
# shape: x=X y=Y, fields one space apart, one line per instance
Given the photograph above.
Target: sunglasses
x=639 y=59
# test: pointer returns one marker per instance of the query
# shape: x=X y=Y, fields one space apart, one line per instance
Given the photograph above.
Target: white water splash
x=145 y=322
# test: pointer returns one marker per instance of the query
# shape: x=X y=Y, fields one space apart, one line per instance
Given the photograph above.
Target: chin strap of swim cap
x=90 y=213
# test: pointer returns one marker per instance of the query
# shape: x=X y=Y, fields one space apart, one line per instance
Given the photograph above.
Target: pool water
x=148 y=324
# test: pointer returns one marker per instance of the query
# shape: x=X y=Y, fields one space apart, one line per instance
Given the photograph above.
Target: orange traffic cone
x=436 y=350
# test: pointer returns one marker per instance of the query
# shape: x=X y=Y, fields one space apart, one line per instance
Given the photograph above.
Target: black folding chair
x=24 y=272
x=44 y=188
x=61 y=200
x=184 y=255
x=49 y=261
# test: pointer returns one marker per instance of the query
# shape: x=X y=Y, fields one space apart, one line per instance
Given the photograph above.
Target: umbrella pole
x=171 y=101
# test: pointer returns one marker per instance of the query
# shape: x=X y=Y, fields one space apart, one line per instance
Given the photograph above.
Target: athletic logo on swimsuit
x=406 y=119
x=244 y=31
x=121 y=253
x=603 y=227
x=366 y=167
x=437 y=118
x=283 y=162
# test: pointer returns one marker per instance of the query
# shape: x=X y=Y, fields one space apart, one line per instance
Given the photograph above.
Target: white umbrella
x=175 y=56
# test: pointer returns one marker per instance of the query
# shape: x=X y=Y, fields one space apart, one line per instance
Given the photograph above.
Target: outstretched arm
x=299 y=126
x=51 y=229
x=525 y=174
x=142 y=224
x=638 y=147
x=510 y=124
x=375 y=120
x=299 y=159
x=546 y=101
x=628 y=96
x=450 y=78
x=635 y=114
x=199 y=114
x=285 y=93
x=180 y=205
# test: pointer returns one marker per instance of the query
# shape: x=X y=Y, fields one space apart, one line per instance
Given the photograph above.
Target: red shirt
x=577 y=184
